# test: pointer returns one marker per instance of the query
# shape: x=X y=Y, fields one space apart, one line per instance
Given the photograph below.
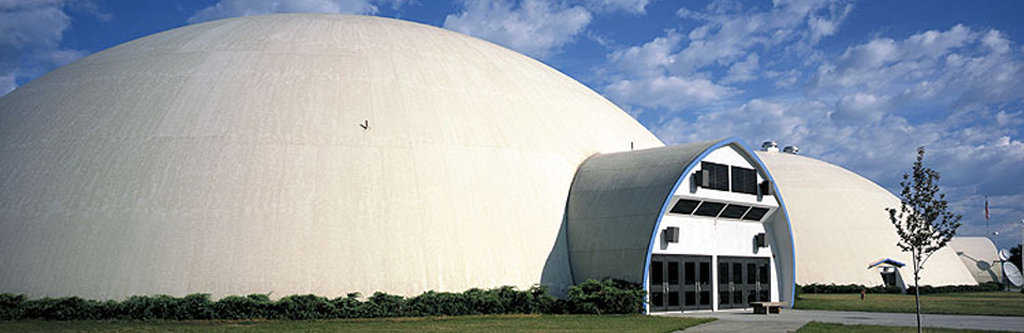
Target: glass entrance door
x=679 y=282
x=696 y=283
x=742 y=281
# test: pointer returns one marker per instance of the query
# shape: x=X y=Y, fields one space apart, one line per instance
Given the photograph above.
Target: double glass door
x=742 y=281
x=680 y=282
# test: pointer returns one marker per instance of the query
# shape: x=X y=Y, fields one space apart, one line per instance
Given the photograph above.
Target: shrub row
x=846 y=289
x=986 y=286
x=591 y=297
x=856 y=288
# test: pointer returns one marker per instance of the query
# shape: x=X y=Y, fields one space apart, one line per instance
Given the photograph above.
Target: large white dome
x=840 y=226
x=228 y=157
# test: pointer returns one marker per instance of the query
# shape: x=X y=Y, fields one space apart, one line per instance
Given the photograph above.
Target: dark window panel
x=689 y=274
x=657 y=275
x=684 y=206
x=734 y=211
x=673 y=272
x=709 y=209
x=723 y=273
x=718 y=175
x=755 y=214
x=744 y=180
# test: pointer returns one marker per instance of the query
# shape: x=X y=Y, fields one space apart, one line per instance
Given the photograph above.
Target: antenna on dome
x=365 y=125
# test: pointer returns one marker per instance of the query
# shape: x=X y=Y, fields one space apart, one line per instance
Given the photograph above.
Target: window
x=709 y=209
x=684 y=206
x=718 y=175
x=744 y=180
x=734 y=211
x=755 y=214
x=657 y=275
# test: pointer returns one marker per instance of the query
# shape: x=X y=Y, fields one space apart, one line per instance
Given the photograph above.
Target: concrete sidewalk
x=791 y=320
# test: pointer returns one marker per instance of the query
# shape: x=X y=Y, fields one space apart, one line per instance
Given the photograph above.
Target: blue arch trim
x=686 y=172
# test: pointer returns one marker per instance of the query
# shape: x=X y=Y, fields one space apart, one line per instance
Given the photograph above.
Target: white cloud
x=648 y=60
x=7 y=84
x=743 y=71
x=536 y=28
x=30 y=38
x=669 y=92
x=730 y=31
x=933 y=69
x=859 y=108
x=996 y=42
x=696 y=68
x=827 y=24
x=235 y=8
x=630 y=6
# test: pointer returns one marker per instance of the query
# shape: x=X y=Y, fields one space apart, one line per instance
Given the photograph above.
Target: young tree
x=923 y=220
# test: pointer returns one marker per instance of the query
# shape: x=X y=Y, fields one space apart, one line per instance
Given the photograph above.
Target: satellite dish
x=1004 y=255
x=1012 y=274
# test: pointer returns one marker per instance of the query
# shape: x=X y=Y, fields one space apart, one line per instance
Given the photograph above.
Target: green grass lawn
x=498 y=323
x=815 y=327
x=997 y=303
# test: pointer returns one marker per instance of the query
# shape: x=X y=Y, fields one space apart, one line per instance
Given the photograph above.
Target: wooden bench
x=766 y=307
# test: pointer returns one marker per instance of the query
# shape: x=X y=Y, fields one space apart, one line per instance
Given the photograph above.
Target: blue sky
x=859 y=84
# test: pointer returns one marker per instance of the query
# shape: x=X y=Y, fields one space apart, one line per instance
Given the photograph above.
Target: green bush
x=855 y=289
x=11 y=306
x=348 y=306
x=65 y=308
x=433 y=303
x=238 y=307
x=846 y=289
x=303 y=307
x=597 y=297
x=986 y=286
x=605 y=297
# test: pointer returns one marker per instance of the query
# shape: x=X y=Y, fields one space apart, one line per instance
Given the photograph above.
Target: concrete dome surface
x=840 y=226
x=292 y=154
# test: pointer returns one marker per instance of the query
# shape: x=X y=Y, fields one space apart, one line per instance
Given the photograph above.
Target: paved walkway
x=791 y=320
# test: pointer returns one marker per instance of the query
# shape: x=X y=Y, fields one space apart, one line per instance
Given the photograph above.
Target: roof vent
x=770 y=146
x=791 y=149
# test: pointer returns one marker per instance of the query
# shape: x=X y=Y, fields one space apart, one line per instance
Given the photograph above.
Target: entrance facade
x=742 y=280
x=680 y=282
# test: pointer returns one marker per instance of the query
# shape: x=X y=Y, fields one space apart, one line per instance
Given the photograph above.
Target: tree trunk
x=917 y=294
